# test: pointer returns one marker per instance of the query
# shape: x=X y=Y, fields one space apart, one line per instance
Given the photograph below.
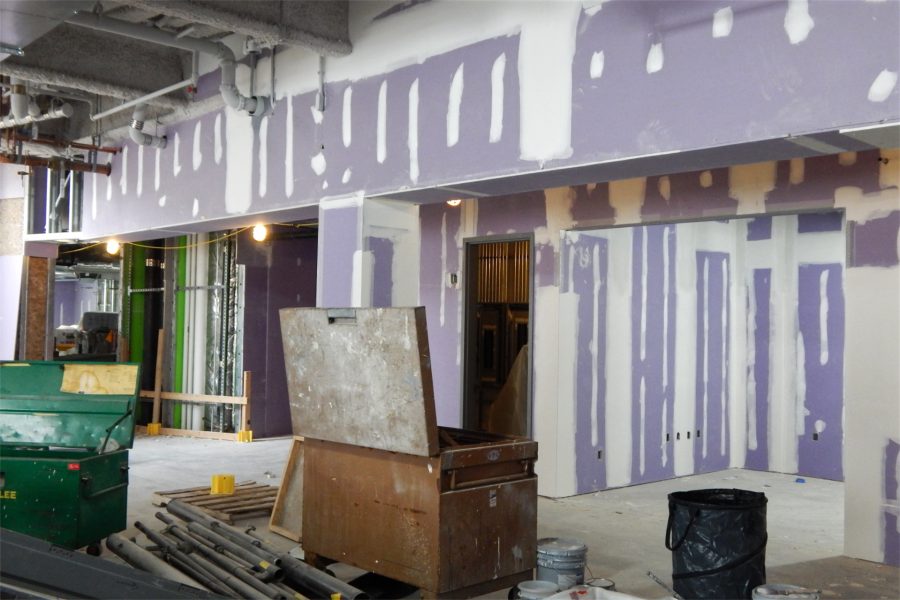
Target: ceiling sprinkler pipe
x=137 y=125
x=255 y=105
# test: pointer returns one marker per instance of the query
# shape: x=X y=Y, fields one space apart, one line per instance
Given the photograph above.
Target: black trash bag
x=718 y=543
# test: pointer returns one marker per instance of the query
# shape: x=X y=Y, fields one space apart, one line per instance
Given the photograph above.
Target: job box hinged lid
x=68 y=404
x=361 y=376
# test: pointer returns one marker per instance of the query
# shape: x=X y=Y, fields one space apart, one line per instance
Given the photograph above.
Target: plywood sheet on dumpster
x=361 y=376
x=99 y=379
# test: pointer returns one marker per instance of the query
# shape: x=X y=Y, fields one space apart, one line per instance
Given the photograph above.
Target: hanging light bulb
x=112 y=247
x=454 y=202
x=260 y=232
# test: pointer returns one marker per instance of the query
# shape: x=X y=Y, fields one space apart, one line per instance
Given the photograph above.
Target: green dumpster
x=65 y=431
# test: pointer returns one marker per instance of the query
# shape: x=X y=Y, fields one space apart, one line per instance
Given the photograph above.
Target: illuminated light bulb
x=455 y=202
x=112 y=247
x=260 y=232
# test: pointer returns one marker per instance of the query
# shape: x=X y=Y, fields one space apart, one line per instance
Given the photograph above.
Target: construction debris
x=211 y=554
x=248 y=500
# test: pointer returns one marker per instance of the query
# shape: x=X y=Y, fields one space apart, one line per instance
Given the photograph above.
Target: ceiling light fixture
x=112 y=247
x=454 y=202
x=260 y=232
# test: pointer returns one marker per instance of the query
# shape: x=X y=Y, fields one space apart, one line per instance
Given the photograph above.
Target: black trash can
x=718 y=543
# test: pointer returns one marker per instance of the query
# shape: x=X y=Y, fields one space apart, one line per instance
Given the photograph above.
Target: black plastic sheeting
x=718 y=542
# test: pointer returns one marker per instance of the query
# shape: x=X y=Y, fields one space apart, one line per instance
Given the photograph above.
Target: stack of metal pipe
x=202 y=551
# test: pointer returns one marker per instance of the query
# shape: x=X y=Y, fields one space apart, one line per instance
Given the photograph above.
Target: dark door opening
x=498 y=365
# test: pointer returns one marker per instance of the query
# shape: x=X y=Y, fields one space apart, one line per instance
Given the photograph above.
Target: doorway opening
x=497 y=374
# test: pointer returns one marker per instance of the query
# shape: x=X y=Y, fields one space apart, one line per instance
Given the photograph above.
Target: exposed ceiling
x=94 y=71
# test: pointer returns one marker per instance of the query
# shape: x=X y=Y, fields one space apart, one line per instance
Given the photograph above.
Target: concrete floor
x=623 y=528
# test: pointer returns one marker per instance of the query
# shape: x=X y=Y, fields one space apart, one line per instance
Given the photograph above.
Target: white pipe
x=143 y=99
x=63 y=111
x=255 y=105
x=200 y=321
x=18 y=99
x=187 y=379
x=137 y=125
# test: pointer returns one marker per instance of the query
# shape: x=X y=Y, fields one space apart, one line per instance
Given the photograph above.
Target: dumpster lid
x=68 y=404
x=361 y=376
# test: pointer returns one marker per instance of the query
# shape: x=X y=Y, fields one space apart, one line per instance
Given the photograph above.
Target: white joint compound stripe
x=618 y=421
x=140 y=171
x=217 y=134
x=156 y=171
x=644 y=233
x=498 y=70
x=454 y=101
x=381 y=124
x=752 y=435
x=705 y=354
x=412 y=138
x=346 y=120
x=288 y=149
x=263 y=157
x=176 y=153
x=93 y=202
x=655 y=58
x=797 y=22
x=723 y=437
x=443 y=266
x=882 y=86
x=597 y=61
x=723 y=20
x=595 y=348
x=823 y=317
x=196 y=154
x=123 y=176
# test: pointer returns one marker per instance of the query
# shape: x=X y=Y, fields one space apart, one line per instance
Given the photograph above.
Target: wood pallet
x=249 y=500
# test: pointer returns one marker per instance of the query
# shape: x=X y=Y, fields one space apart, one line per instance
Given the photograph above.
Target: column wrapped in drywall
x=872 y=382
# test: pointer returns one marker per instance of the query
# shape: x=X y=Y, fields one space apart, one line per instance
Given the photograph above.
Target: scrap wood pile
x=202 y=551
x=248 y=500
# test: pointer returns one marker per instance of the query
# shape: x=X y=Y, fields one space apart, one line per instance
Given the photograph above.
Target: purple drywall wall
x=65 y=303
x=820 y=306
x=279 y=273
x=588 y=260
x=761 y=290
x=339 y=243
x=874 y=243
x=440 y=255
x=712 y=450
x=652 y=351
x=382 y=250
x=716 y=91
x=753 y=85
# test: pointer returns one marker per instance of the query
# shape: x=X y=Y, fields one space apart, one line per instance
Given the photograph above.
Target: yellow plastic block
x=222 y=484
x=245 y=435
x=153 y=428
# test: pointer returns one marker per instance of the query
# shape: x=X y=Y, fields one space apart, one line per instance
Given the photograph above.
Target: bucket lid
x=538 y=586
x=561 y=547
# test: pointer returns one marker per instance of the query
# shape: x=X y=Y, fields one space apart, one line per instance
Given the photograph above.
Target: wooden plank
x=234 y=499
x=197 y=398
x=211 y=435
x=157 y=381
x=287 y=514
x=361 y=376
x=99 y=379
x=245 y=412
x=202 y=488
x=191 y=497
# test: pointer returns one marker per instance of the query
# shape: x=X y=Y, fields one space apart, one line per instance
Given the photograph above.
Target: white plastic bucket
x=561 y=561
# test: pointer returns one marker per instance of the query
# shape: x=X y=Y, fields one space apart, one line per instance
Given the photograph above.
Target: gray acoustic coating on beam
x=321 y=26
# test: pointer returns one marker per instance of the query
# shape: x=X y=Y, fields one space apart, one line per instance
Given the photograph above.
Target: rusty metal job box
x=452 y=512
x=65 y=431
